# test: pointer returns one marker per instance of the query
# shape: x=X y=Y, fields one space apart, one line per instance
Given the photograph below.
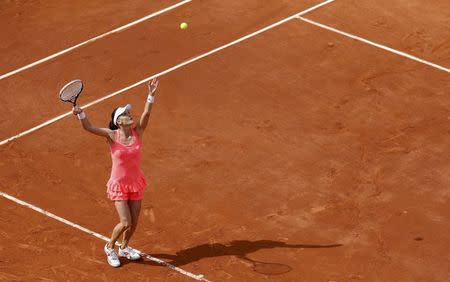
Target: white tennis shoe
x=129 y=253
x=111 y=257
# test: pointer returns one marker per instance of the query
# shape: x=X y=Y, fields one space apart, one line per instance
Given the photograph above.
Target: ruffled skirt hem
x=119 y=187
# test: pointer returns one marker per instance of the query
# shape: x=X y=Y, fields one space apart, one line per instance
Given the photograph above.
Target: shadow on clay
x=239 y=249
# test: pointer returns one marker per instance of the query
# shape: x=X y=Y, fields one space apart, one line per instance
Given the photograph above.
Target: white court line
x=400 y=53
x=168 y=70
x=93 y=39
x=198 y=277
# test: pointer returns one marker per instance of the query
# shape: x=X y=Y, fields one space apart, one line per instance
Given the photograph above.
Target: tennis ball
x=183 y=25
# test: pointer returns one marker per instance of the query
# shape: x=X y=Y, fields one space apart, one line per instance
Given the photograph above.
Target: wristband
x=150 y=99
x=81 y=116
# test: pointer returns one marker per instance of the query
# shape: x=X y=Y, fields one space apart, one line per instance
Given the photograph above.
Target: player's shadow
x=237 y=248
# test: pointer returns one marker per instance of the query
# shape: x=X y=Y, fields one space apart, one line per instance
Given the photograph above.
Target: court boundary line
x=169 y=70
x=152 y=15
x=199 y=277
x=378 y=45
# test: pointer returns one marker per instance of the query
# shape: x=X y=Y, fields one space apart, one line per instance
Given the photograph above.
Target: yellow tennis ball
x=183 y=25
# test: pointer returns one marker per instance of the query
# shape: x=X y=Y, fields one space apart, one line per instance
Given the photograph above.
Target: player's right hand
x=76 y=110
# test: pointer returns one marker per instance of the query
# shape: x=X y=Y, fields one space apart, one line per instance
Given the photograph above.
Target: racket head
x=70 y=92
x=269 y=268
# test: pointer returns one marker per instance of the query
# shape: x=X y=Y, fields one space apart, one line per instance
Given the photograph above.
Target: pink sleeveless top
x=126 y=173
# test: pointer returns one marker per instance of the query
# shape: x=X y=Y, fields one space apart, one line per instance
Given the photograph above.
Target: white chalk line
x=199 y=277
x=397 y=52
x=167 y=71
x=93 y=39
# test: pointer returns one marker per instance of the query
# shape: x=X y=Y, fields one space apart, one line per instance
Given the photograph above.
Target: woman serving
x=127 y=183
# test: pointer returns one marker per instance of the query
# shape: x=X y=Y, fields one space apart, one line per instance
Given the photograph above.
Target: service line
x=389 y=49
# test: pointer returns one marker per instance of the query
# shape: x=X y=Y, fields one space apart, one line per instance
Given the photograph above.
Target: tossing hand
x=152 y=85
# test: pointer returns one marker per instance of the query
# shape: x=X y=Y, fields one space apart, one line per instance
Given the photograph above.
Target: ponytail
x=112 y=126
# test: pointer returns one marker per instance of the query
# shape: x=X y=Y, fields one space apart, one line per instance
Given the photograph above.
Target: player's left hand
x=152 y=85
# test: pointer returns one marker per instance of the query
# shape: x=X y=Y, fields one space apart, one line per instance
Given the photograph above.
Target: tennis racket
x=71 y=91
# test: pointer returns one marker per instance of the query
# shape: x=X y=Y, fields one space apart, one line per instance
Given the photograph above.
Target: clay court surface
x=296 y=155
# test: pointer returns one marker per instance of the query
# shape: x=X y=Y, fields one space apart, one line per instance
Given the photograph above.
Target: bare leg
x=135 y=209
x=125 y=221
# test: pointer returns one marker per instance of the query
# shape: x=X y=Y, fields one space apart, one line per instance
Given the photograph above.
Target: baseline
x=199 y=277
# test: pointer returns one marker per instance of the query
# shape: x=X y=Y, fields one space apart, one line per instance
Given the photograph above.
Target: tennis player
x=127 y=182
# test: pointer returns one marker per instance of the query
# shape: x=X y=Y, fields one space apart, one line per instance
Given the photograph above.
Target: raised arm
x=140 y=127
x=105 y=132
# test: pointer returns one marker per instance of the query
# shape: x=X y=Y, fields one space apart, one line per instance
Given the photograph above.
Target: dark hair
x=112 y=126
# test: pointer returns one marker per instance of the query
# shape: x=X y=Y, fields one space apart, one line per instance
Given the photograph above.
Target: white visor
x=120 y=111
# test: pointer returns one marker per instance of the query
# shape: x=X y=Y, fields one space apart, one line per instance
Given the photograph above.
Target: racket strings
x=71 y=91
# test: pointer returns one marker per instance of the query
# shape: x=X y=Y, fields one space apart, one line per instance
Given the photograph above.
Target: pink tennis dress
x=127 y=181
